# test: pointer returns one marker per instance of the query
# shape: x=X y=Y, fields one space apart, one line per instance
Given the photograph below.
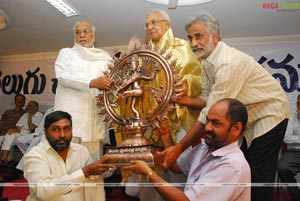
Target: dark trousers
x=262 y=157
x=288 y=167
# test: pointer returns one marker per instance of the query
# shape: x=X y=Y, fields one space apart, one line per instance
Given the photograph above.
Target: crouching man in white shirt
x=57 y=169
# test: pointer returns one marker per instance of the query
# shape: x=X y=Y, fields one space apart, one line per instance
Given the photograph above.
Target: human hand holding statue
x=171 y=153
x=101 y=83
x=139 y=167
x=164 y=158
x=181 y=94
x=182 y=98
x=168 y=156
x=180 y=89
x=97 y=167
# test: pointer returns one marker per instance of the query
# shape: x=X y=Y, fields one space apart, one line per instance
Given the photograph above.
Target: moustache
x=212 y=134
x=199 y=47
x=61 y=139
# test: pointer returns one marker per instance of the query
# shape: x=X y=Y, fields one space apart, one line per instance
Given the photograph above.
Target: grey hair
x=212 y=23
x=163 y=13
x=78 y=22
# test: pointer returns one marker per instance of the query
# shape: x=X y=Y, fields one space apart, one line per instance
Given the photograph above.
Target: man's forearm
x=191 y=136
x=166 y=139
x=192 y=102
x=197 y=103
x=167 y=191
x=172 y=153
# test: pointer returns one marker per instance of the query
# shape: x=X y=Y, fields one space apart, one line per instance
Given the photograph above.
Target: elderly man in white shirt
x=80 y=74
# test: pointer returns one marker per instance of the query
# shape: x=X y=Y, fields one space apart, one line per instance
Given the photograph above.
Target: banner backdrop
x=34 y=77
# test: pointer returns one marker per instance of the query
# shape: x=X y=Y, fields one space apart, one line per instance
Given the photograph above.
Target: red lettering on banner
x=270 y=5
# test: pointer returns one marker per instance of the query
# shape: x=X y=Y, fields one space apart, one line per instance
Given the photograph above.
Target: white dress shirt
x=52 y=178
x=292 y=135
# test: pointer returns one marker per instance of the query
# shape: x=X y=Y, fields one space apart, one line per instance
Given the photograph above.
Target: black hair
x=56 y=116
x=237 y=112
x=20 y=95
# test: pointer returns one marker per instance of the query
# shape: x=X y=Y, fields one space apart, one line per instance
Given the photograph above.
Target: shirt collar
x=226 y=150
x=215 y=54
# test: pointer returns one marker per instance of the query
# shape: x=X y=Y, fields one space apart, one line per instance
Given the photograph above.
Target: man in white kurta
x=44 y=167
x=79 y=71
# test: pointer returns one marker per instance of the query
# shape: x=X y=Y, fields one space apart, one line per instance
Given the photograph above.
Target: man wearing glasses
x=79 y=71
x=160 y=36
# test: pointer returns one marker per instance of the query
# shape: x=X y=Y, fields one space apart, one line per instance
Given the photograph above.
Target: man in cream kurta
x=57 y=169
x=79 y=71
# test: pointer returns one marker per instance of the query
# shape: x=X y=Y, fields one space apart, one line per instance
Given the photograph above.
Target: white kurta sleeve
x=69 y=72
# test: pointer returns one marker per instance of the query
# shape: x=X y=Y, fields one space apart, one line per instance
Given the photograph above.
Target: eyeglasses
x=84 y=31
x=153 y=23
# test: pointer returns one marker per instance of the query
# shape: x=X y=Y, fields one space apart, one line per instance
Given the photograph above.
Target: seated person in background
x=24 y=141
x=289 y=164
x=26 y=125
x=217 y=160
x=57 y=161
x=14 y=173
x=10 y=117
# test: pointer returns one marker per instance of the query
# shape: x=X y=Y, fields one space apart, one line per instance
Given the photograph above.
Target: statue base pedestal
x=122 y=156
x=134 y=147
